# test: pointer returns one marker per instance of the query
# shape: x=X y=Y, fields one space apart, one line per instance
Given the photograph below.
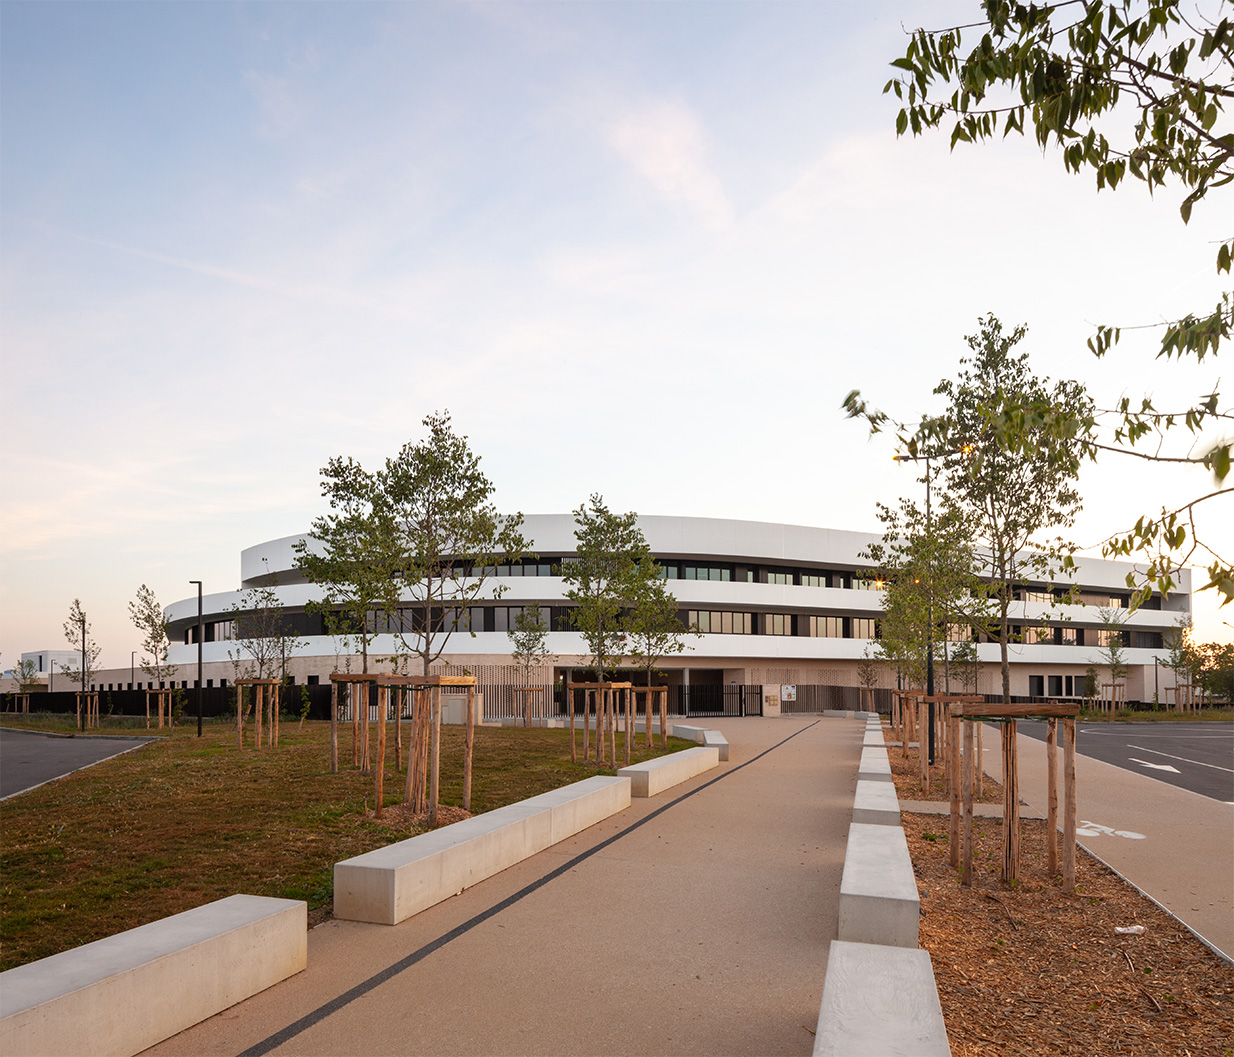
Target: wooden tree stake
x=1011 y=803
x=980 y=759
x=334 y=728
x=435 y=779
x=353 y=697
x=1069 y=806
x=379 y=780
x=570 y=709
x=954 y=783
x=1051 y=819
x=967 y=858
x=471 y=738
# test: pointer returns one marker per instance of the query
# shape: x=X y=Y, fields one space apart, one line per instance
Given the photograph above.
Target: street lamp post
x=200 y=637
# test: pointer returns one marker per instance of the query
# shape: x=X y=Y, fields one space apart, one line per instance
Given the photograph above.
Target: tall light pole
x=200 y=637
x=929 y=605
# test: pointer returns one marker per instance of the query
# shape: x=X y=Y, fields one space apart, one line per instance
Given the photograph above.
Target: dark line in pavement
x=364 y=987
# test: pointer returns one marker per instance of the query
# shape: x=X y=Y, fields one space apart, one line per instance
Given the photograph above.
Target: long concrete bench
x=654 y=776
x=390 y=884
x=878 y=890
x=874 y=738
x=875 y=804
x=701 y=735
x=875 y=766
x=879 y=1002
x=123 y=994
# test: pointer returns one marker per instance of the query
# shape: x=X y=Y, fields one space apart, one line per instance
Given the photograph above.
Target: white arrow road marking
x=1183 y=759
x=1155 y=766
x=1093 y=829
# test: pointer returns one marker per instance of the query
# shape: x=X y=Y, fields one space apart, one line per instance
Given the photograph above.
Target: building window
x=826 y=627
x=1146 y=640
x=1032 y=595
x=814 y=580
x=1056 y=686
x=1036 y=686
x=866 y=585
x=1065 y=636
x=712 y=622
x=778 y=624
x=706 y=572
x=862 y=628
x=782 y=578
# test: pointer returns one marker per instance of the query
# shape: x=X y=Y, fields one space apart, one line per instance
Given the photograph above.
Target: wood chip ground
x=1025 y=969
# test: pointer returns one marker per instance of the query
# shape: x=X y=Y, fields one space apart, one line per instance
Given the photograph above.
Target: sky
x=636 y=249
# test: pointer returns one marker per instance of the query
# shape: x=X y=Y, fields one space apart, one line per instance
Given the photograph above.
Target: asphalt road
x=27 y=759
x=1194 y=756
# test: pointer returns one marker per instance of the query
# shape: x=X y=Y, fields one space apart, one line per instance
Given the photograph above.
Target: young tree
x=528 y=636
x=1009 y=493
x=653 y=627
x=966 y=663
x=77 y=631
x=929 y=571
x=350 y=553
x=867 y=673
x=1165 y=78
x=262 y=634
x=26 y=673
x=446 y=537
x=602 y=583
x=1114 y=649
x=147 y=617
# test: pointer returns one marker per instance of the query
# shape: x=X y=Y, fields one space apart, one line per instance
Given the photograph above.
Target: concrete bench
x=875 y=738
x=874 y=766
x=879 y=1002
x=702 y=736
x=123 y=994
x=390 y=884
x=654 y=776
x=875 y=804
x=878 y=890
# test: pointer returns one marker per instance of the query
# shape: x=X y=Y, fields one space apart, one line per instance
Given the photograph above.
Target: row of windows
x=501 y=618
x=721 y=622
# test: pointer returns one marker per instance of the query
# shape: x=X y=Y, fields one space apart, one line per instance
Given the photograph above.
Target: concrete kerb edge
x=935 y=979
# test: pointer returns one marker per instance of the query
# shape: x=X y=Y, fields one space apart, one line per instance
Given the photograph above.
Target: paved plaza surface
x=29 y=759
x=1195 y=756
x=697 y=921
x=1174 y=844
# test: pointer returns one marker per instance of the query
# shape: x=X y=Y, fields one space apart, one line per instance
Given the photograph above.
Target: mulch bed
x=1025 y=969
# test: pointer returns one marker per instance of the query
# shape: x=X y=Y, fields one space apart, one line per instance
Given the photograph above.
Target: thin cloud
x=664 y=143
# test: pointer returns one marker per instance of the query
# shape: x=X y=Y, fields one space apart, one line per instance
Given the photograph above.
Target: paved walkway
x=695 y=922
x=1185 y=859
x=28 y=759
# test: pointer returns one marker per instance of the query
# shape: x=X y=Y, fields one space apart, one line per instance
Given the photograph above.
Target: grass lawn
x=1131 y=715
x=184 y=821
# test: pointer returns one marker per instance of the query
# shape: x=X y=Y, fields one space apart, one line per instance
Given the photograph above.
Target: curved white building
x=778 y=604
